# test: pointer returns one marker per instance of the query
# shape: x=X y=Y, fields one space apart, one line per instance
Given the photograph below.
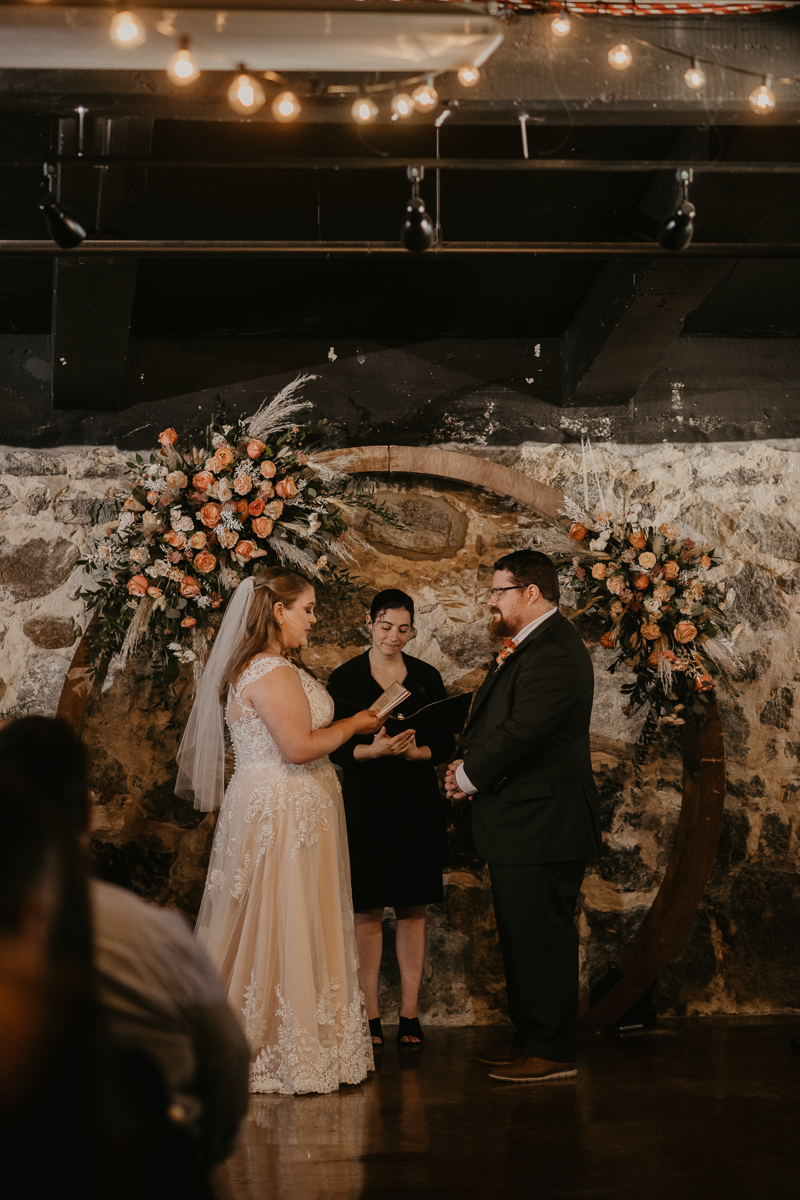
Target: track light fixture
x=676 y=231
x=64 y=226
x=127 y=30
x=620 y=57
x=286 y=107
x=245 y=95
x=402 y=106
x=468 y=76
x=762 y=100
x=364 y=110
x=182 y=67
x=425 y=96
x=561 y=24
x=418 y=233
x=695 y=77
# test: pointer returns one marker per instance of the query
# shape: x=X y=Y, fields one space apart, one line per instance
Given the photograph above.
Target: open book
x=390 y=699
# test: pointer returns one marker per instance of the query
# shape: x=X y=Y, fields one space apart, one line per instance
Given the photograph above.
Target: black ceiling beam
x=310 y=163
x=299 y=249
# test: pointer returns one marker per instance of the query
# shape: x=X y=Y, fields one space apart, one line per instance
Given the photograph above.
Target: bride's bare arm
x=280 y=701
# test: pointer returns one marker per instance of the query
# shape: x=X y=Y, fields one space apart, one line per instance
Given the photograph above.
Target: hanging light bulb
x=182 y=67
x=620 y=57
x=418 y=233
x=677 y=230
x=286 y=107
x=402 y=105
x=762 y=100
x=468 y=76
x=364 y=110
x=695 y=77
x=561 y=24
x=425 y=96
x=245 y=95
x=127 y=30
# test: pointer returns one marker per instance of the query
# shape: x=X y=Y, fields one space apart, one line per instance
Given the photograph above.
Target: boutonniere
x=509 y=646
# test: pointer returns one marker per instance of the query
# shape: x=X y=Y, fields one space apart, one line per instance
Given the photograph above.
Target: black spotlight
x=676 y=231
x=63 y=226
x=418 y=233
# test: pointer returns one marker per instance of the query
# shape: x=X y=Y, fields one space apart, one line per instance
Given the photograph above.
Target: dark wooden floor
x=696 y=1110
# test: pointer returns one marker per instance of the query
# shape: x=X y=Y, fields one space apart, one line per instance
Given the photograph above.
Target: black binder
x=443 y=716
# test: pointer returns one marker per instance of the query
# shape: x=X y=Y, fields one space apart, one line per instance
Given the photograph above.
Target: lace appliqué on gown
x=277 y=916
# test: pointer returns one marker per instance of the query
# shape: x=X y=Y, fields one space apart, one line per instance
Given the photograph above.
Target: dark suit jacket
x=526 y=749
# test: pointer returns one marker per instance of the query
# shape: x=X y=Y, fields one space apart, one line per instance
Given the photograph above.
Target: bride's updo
x=270 y=587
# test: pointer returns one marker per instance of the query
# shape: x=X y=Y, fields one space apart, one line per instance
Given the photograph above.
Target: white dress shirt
x=462 y=779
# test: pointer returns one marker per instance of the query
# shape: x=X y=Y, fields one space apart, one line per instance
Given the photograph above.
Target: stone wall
x=740 y=953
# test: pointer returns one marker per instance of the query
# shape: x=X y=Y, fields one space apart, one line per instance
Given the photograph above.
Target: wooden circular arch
x=700 y=821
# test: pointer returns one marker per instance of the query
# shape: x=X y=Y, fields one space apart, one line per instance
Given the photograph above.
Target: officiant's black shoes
x=499 y=1054
x=375 y=1031
x=533 y=1070
x=410 y=1027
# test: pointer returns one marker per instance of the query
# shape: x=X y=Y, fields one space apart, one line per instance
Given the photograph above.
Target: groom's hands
x=450 y=785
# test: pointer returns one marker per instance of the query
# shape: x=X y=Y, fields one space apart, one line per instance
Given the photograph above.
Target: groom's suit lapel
x=495 y=673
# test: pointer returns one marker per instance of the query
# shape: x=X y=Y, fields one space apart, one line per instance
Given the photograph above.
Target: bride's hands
x=366 y=721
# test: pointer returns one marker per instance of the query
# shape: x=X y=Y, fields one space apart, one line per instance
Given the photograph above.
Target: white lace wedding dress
x=277 y=916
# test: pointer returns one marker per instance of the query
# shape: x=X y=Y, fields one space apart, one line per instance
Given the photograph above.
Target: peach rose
x=211 y=465
x=669 y=530
x=137 y=586
x=167 y=437
x=637 y=539
x=671 y=569
x=224 y=457
x=255 y=448
x=245 y=549
x=203 y=480
x=703 y=683
x=647 y=560
x=241 y=507
x=188 y=622
x=190 y=587
x=576 y=531
x=242 y=484
x=266 y=489
x=608 y=640
x=662 y=592
x=286 y=488
x=173 y=538
x=274 y=509
x=268 y=469
x=262 y=527
x=152 y=497
x=197 y=541
x=651 y=632
x=176 y=479
x=209 y=515
x=154 y=592
x=227 y=538
x=705 y=561
x=615 y=584
x=205 y=562
x=685 y=631
x=599 y=571
x=641 y=582
x=256 y=507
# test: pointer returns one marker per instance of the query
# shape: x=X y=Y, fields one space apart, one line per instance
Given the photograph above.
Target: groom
x=528 y=771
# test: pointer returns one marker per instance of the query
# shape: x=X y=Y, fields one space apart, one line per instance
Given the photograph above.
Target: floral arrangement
x=648 y=591
x=202 y=514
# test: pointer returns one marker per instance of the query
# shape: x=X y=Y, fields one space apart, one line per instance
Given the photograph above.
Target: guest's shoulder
x=115 y=909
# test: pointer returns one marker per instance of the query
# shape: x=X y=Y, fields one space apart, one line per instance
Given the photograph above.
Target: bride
x=276 y=917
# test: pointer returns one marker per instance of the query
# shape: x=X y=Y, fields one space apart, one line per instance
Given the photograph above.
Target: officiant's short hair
x=531 y=566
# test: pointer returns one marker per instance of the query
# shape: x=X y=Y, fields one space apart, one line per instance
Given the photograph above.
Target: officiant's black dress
x=395 y=813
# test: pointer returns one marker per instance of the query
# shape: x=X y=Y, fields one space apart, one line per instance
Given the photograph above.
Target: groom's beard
x=499 y=627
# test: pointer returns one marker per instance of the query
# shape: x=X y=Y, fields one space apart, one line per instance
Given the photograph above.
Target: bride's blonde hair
x=273 y=586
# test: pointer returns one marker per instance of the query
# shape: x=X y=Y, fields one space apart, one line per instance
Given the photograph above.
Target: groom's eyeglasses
x=515 y=587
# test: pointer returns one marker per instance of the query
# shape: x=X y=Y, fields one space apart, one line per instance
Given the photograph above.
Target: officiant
x=395 y=811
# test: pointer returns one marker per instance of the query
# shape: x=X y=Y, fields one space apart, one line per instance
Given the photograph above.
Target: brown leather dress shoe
x=533 y=1070
x=499 y=1054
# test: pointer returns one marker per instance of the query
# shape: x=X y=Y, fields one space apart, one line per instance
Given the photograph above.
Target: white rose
x=185 y=525
x=177 y=479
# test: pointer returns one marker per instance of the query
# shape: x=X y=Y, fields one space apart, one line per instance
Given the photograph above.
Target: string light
x=762 y=100
x=695 y=78
x=402 y=105
x=182 y=67
x=425 y=96
x=127 y=30
x=286 y=107
x=620 y=57
x=561 y=24
x=245 y=95
x=468 y=76
x=364 y=110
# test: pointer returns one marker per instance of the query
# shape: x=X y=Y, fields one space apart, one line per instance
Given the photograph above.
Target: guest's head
x=524 y=587
x=391 y=621
x=280 y=618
